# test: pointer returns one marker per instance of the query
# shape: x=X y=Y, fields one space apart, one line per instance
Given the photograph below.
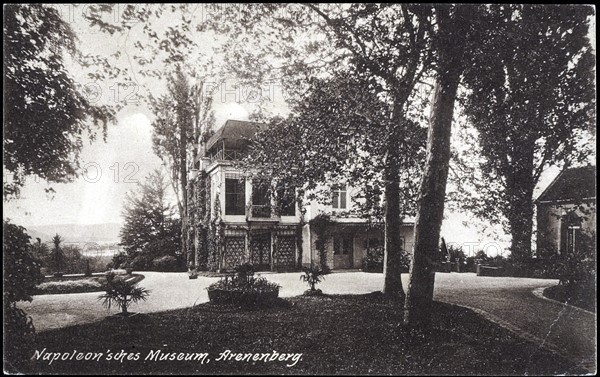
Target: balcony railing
x=226 y=154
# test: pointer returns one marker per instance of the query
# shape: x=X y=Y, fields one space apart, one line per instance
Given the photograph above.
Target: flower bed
x=243 y=289
x=242 y=297
x=69 y=286
x=79 y=284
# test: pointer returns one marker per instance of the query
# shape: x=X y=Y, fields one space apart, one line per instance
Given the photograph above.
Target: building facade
x=235 y=219
x=566 y=211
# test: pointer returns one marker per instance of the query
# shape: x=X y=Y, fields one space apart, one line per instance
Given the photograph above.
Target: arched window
x=570 y=232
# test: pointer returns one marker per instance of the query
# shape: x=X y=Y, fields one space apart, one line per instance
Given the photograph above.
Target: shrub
x=313 y=275
x=497 y=261
x=576 y=271
x=404 y=262
x=139 y=263
x=373 y=261
x=244 y=273
x=69 y=259
x=585 y=299
x=19 y=334
x=21 y=275
x=470 y=264
x=544 y=268
x=455 y=252
x=121 y=293
x=243 y=289
x=117 y=260
x=88 y=270
x=256 y=284
x=166 y=263
x=21 y=269
x=192 y=271
x=321 y=224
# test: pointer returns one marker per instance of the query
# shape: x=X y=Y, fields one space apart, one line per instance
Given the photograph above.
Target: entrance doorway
x=260 y=251
x=343 y=251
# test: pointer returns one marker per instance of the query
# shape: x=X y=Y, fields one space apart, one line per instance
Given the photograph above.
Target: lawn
x=335 y=335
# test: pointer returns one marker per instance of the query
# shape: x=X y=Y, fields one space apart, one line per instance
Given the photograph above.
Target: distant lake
x=97 y=249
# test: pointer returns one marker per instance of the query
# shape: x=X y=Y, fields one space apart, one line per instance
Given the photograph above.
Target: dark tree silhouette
x=46 y=113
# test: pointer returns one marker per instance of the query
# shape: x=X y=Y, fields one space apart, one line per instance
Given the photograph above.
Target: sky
x=112 y=169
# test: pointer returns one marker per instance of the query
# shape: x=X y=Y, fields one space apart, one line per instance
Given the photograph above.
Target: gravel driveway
x=168 y=290
x=507 y=301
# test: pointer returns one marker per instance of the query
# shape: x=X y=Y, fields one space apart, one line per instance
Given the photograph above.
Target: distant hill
x=37 y=234
x=102 y=233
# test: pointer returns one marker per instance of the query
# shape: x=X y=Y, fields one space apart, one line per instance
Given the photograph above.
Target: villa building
x=235 y=219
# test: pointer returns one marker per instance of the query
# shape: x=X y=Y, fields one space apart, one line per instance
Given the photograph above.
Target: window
x=570 y=232
x=260 y=194
x=235 y=196
x=261 y=199
x=338 y=197
x=287 y=200
x=572 y=238
x=342 y=245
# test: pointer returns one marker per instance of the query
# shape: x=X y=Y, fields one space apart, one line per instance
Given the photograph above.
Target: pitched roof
x=235 y=133
x=572 y=183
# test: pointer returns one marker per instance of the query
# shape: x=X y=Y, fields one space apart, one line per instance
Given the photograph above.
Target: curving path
x=509 y=302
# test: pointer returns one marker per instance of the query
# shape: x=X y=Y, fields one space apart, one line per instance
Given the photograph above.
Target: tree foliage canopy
x=183 y=116
x=47 y=113
x=338 y=133
x=21 y=268
x=57 y=256
x=531 y=91
x=530 y=98
x=151 y=229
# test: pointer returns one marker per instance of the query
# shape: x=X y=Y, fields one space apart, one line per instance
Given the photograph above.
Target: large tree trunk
x=432 y=192
x=521 y=233
x=520 y=184
x=392 y=267
x=184 y=191
x=393 y=248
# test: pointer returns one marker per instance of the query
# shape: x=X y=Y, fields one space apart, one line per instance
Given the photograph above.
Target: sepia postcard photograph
x=299 y=189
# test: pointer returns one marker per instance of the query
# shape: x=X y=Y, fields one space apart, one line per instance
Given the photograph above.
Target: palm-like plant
x=313 y=275
x=122 y=294
x=57 y=255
